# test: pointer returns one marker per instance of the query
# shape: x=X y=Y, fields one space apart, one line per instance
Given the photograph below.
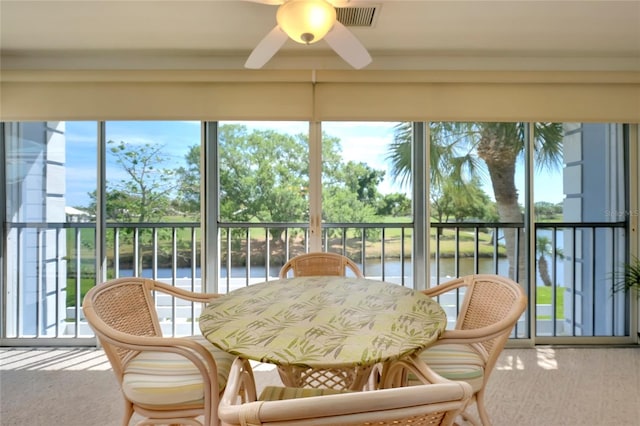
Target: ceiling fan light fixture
x=306 y=21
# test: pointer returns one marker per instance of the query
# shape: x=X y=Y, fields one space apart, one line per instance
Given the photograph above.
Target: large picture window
x=50 y=231
x=413 y=203
x=582 y=219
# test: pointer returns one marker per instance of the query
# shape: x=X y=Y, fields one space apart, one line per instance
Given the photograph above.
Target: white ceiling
x=214 y=34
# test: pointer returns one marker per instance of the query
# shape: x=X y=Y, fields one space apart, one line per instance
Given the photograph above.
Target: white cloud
x=366 y=142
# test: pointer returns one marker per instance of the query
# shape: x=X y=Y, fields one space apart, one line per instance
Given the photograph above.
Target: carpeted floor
x=542 y=386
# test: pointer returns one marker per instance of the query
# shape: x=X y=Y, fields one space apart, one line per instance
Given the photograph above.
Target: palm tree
x=544 y=248
x=456 y=153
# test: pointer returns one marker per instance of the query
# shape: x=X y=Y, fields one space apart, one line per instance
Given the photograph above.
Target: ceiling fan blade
x=348 y=46
x=267 y=47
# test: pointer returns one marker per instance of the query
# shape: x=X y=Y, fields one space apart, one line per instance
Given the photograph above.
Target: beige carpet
x=542 y=386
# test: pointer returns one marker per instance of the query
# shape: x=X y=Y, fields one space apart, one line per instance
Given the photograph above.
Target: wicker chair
x=165 y=380
x=490 y=309
x=434 y=404
x=310 y=264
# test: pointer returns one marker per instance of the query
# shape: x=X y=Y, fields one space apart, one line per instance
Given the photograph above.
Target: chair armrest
x=445 y=287
x=180 y=293
x=383 y=406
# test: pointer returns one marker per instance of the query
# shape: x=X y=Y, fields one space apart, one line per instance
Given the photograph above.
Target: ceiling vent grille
x=358 y=16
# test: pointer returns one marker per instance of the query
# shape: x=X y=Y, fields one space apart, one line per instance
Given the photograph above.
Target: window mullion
x=315 y=186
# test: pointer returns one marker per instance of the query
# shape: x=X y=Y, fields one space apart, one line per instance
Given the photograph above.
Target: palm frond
x=549 y=149
x=399 y=154
x=629 y=278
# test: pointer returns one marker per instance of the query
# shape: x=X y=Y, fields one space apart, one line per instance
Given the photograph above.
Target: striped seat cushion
x=278 y=393
x=454 y=362
x=166 y=379
x=455 y=353
x=472 y=374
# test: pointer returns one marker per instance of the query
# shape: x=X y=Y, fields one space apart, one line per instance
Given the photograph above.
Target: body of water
x=447 y=269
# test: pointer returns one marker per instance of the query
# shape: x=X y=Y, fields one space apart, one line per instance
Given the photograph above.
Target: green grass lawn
x=544 y=297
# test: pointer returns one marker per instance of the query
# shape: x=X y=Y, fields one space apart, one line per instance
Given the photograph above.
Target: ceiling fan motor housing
x=306 y=21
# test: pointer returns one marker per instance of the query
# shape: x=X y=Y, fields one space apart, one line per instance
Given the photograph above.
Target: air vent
x=358 y=16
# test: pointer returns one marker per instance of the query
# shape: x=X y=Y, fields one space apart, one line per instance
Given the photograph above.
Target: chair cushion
x=454 y=362
x=278 y=393
x=167 y=379
x=472 y=374
x=456 y=353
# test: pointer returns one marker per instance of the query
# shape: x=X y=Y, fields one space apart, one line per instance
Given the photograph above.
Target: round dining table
x=323 y=323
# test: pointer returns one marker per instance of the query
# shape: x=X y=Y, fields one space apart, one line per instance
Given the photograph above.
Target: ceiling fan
x=307 y=22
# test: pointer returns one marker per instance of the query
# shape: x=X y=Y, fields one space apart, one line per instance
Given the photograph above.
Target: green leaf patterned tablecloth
x=323 y=322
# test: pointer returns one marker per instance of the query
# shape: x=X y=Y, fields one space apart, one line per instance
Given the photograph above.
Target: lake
x=373 y=269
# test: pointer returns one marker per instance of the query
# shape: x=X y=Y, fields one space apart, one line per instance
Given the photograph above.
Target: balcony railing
x=255 y=252
x=50 y=266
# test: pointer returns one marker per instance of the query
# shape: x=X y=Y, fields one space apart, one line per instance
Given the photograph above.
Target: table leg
x=241 y=383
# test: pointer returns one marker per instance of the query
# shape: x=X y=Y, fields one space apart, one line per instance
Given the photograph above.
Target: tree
x=395 y=204
x=547 y=210
x=457 y=150
x=364 y=181
x=544 y=248
x=339 y=205
x=144 y=196
x=350 y=192
x=188 y=196
x=450 y=199
x=263 y=175
x=117 y=205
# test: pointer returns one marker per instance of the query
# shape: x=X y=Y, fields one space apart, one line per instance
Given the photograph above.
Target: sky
x=81 y=150
x=361 y=142
x=366 y=143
